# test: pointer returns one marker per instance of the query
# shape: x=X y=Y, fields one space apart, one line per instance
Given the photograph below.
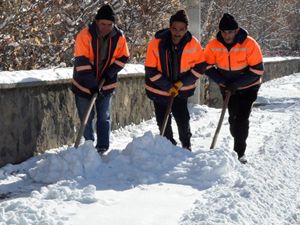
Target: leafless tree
x=38 y=34
x=273 y=23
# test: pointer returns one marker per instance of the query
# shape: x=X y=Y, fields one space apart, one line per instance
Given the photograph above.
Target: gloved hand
x=231 y=88
x=95 y=90
x=174 y=90
x=228 y=88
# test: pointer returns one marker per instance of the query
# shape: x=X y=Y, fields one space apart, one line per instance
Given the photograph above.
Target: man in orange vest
x=174 y=62
x=100 y=52
x=236 y=65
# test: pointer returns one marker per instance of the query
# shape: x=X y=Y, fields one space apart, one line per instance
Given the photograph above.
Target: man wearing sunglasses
x=236 y=65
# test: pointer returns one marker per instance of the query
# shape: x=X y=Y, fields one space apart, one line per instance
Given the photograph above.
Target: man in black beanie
x=174 y=62
x=236 y=65
x=105 y=19
x=229 y=28
x=100 y=53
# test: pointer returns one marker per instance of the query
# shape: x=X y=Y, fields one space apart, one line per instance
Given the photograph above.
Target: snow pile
x=29 y=211
x=147 y=159
x=205 y=169
x=153 y=159
x=67 y=164
x=67 y=191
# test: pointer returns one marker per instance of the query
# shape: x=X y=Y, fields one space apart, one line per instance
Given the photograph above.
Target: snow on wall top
x=279 y=58
x=9 y=79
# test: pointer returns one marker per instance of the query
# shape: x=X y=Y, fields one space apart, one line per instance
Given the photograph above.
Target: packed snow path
x=144 y=180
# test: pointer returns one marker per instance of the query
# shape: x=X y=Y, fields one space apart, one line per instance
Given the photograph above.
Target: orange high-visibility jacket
x=159 y=77
x=242 y=65
x=86 y=73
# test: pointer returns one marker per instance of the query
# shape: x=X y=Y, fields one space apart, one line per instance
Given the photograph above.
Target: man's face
x=229 y=35
x=104 y=26
x=178 y=30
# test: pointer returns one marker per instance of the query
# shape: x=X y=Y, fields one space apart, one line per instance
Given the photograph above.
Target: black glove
x=227 y=87
x=94 y=90
x=231 y=88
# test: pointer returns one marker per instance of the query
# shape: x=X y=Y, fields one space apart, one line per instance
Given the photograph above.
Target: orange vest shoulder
x=214 y=43
x=85 y=33
x=249 y=42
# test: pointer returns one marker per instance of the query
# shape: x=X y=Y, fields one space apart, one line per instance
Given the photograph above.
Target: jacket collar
x=239 y=38
x=93 y=30
x=165 y=36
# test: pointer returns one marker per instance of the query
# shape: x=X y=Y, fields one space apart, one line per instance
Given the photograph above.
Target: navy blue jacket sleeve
x=215 y=75
x=250 y=77
x=162 y=82
x=84 y=72
x=114 y=68
x=191 y=76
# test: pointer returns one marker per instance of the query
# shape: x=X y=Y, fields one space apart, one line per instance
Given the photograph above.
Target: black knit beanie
x=180 y=16
x=228 y=22
x=107 y=13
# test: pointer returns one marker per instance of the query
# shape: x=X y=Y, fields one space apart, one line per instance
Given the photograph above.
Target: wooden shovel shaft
x=225 y=104
x=86 y=115
x=167 y=114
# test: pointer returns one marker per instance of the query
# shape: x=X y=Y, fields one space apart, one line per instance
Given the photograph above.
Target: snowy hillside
x=145 y=180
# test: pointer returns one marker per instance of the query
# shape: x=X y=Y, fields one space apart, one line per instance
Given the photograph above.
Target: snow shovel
x=225 y=104
x=168 y=111
x=86 y=115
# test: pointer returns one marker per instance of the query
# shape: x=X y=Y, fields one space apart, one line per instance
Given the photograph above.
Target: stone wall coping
x=31 y=78
x=279 y=59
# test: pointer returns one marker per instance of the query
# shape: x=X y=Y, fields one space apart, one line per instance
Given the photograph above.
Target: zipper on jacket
x=167 y=64
x=97 y=57
x=107 y=61
x=229 y=61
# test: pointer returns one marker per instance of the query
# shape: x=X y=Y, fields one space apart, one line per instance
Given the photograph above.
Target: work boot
x=243 y=159
x=187 y=148
x=101 y=151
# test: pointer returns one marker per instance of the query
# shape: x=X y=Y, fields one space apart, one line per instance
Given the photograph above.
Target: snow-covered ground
x=144 y=180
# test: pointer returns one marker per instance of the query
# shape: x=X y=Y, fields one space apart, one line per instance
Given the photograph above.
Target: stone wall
x=34 y=118
x=130 y=103
x=41 y=115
